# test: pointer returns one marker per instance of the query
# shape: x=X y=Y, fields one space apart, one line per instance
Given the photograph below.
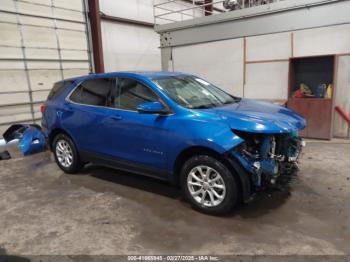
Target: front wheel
x=209 y=185
x=66 y=154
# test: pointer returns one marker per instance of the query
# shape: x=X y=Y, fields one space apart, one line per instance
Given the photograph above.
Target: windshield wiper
x=235 y=100
x=204 y=106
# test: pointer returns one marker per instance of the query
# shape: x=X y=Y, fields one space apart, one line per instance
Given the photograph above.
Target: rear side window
x=130 y=93
x=58 y=89
x=93 y=92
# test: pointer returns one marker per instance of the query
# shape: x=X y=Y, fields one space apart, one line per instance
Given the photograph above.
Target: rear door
x=86 y=111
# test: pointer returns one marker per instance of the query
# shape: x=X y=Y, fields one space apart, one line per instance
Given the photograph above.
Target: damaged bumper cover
x=268 y=158
x=21 y=140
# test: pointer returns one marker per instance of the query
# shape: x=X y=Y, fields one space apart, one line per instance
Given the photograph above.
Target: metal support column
x=208 y=7
x=96 y=35
x=167 y=60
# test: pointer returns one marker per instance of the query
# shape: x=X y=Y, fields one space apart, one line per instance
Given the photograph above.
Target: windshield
x=193 y=92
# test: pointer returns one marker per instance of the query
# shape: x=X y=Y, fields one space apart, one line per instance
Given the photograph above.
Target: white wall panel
x=8 y=5
x=13 y=110
x=267 y=80
x=6 y=65
x=43 y=65
x=10 y=52
x=38 y=40
x=69 y=4
x=320 y=41
x=268 y=47
x=69 y=15
x=9 y=35
x=132 y=9
x=68 y=73
x=75 y=65
x=28 y=20
x=37 y=115
x=40 y=2
x=143 y=10
x=13 y=80
x=40 y=96
x=74 y=54
x=15 y=118
x=34 y=53
x=34 y=9
x=43 y=79
x=177 y=6
x=39 y=37
x=14 y=98
x=129 y=47
x=70 y=25
x=219 y=62
x=6 y=17
x=72 y=39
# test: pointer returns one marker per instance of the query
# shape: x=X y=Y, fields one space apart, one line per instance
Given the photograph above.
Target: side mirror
x=151 y=108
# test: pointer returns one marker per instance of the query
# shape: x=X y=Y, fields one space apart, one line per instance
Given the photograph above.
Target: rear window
x=59 y=88
x=93 y=92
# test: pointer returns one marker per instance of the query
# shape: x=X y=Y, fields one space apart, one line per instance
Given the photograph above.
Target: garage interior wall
x=257 y=66
x=129 y=46
x=41 y=42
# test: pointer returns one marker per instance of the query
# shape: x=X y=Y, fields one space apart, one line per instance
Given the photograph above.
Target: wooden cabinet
x=318 y=114
x=313 y=71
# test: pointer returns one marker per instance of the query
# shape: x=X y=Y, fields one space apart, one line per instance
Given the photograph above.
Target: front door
x=136 y=137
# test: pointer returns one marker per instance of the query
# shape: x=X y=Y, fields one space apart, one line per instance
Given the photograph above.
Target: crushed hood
x=259 y=117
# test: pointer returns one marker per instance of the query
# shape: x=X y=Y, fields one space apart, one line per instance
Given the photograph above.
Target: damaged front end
x=270 y=158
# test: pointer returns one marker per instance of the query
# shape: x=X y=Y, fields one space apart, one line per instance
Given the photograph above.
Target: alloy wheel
x=64 y=153
x=206 y=186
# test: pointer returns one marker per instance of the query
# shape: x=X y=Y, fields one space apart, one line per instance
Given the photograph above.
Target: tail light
x=43 y=108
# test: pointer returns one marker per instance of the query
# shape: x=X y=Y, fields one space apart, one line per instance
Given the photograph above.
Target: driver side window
x=130 y=93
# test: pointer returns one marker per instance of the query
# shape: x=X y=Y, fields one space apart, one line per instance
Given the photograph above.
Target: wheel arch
x=54 y=133
x=240 y=175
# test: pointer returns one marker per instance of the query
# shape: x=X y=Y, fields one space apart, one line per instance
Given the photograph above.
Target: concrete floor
x=103 y=211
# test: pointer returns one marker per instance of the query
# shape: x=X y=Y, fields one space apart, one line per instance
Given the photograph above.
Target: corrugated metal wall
x=41 y=42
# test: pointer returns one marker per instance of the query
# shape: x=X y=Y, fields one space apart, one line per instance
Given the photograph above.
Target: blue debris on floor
x=22 y=140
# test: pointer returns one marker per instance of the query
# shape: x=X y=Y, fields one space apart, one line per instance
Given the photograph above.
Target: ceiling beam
x=125 y=20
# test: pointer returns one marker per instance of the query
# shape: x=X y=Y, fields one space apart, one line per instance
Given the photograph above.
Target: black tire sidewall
x=76 y=165
x=231 y=197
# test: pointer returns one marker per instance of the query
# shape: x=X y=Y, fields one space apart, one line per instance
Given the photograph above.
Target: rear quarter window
x=94 y=92
x=58 y=89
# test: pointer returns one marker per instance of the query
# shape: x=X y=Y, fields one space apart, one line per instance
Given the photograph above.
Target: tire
x=220 y=179
x=66 y=154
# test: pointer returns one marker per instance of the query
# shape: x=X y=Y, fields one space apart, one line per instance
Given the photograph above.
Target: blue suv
x=219 y=148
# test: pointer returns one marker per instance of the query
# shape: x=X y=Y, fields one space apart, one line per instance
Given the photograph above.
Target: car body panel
x=155 y=141
x=260 y=117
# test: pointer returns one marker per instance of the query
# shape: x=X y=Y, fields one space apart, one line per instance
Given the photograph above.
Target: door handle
x=116 y=117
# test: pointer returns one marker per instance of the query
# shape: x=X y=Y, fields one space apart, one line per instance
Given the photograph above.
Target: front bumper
x=271 y=166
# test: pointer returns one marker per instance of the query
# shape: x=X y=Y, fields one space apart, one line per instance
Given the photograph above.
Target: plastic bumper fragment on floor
x=22 y=140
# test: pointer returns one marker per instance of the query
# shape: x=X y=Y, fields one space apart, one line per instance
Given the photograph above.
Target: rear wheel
x=66 y=154
x=209 y=185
